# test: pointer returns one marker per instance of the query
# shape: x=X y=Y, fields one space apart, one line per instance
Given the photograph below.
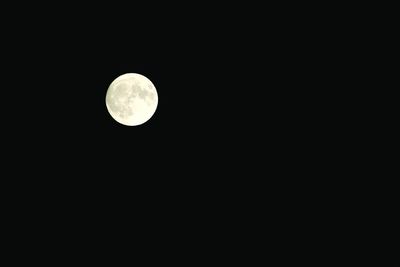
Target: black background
x=231 y=110
x=72 y=170
x=206 y=69
x=245 y=127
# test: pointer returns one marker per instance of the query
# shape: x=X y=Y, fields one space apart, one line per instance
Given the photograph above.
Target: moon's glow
x=131 y=99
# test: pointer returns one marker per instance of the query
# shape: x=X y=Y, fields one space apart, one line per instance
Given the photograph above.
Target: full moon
x=131 y=99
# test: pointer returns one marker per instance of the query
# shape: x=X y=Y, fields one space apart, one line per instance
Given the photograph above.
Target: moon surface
x=131 y=99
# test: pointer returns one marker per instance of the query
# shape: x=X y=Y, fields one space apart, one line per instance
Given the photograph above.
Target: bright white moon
x=131 y=99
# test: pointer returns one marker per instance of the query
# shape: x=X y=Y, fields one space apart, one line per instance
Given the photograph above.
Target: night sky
x=237 y=91
x=250 y=144
x=61 y=66
x=223 y=90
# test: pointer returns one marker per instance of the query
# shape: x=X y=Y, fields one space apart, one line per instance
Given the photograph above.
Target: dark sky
x=249 y=136
x=234 y=96
x=222 y=83
x=62 y=63
x=231 y=81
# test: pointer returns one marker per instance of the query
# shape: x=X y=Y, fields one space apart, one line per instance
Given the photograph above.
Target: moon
x=131 y=99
